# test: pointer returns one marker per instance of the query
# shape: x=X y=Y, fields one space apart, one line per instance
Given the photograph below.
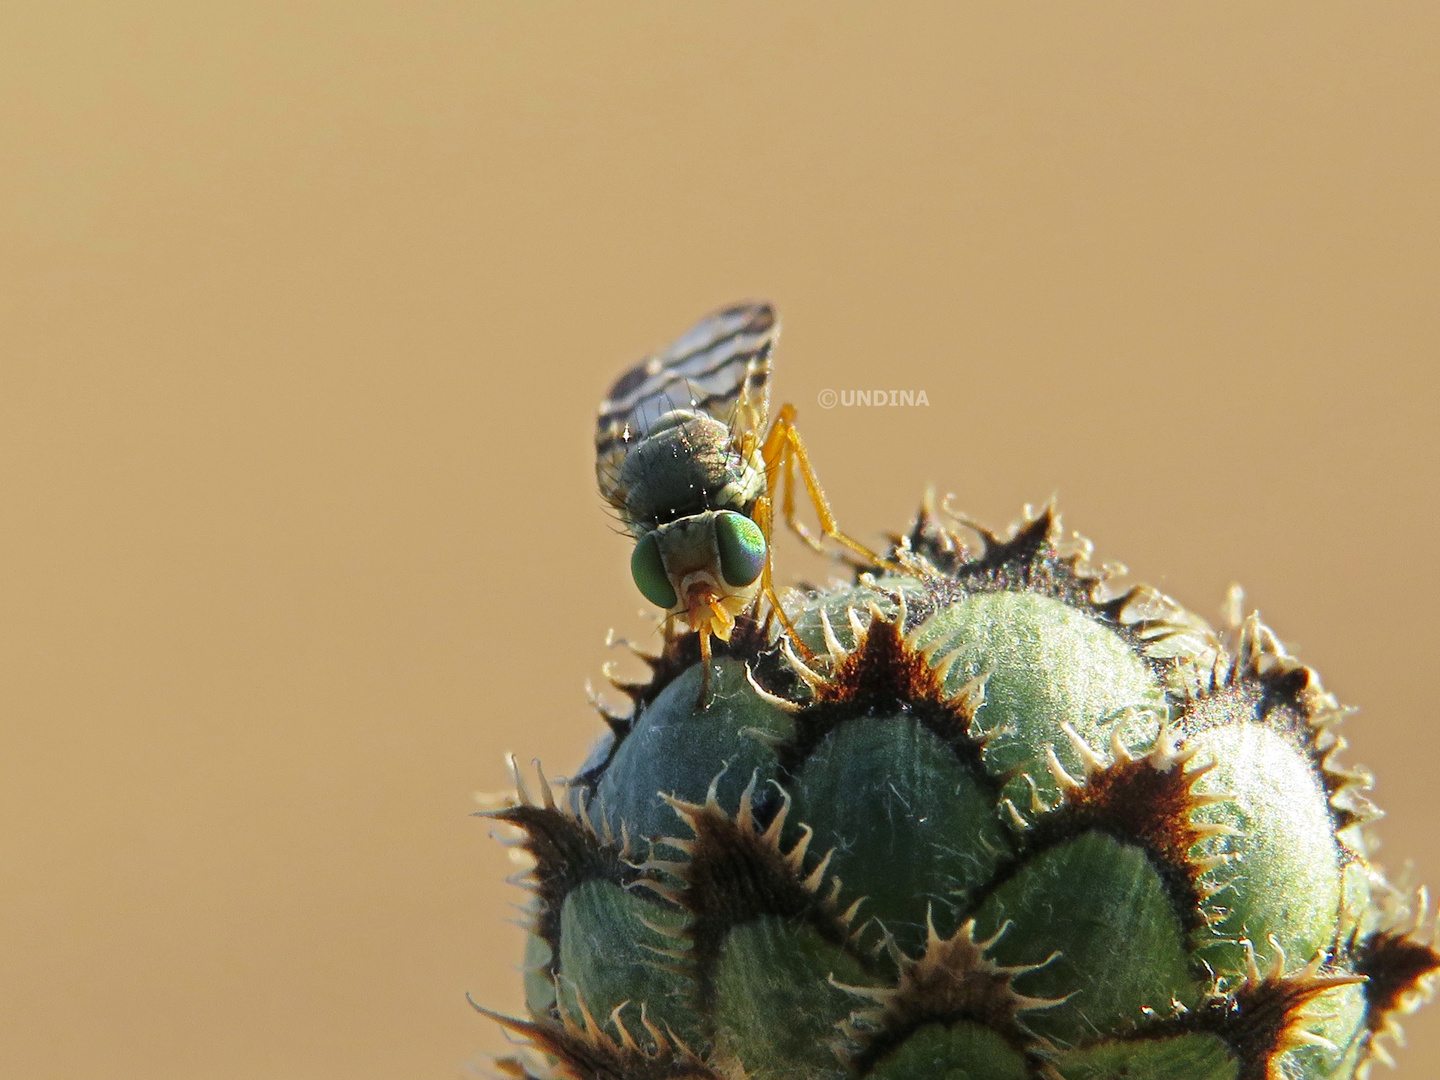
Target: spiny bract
x=1009 y=821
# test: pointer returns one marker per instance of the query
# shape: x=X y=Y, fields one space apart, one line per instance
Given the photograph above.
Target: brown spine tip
x=1402 y=970
x=1290 y=694
x=952 y=981
x=735 y=872
x=881 y=671
x=565 y=851
x=930 y=540
x=1149 y=799
x=1265 y=1017
x=1036 y=555
x=586 y=1051
x=513 y=1067
x=884 y=672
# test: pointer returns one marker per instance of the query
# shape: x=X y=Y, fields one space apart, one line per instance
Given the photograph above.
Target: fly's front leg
x=782 y=451
x=704 y=702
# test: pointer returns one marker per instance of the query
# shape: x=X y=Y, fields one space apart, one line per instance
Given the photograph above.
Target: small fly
x=679 y=453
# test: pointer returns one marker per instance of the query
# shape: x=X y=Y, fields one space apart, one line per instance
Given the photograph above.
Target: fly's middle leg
x=782 y=450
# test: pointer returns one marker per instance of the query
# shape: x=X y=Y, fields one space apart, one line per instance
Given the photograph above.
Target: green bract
x=993 y=816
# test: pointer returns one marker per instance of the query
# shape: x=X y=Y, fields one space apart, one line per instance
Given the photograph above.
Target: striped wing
x=721 y=366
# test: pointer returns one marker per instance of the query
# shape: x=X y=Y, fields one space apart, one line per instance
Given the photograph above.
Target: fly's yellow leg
x=782 y=450
x=764 y=517
x=704 y=632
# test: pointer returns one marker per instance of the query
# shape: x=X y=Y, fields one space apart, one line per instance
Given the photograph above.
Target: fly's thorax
x=683 y=468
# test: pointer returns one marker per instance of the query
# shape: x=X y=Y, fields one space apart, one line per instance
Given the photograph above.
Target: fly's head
x=704 y=568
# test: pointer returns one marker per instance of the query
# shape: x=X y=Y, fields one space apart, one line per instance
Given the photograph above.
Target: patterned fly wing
x=721 y=366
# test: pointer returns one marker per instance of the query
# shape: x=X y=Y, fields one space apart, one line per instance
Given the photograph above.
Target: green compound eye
x=742 y=548
x=648 y=571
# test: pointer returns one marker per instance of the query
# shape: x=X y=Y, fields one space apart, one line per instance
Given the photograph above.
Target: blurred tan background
x=304 y=314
